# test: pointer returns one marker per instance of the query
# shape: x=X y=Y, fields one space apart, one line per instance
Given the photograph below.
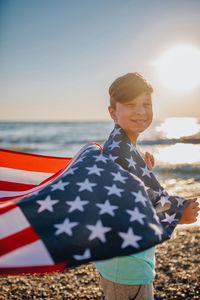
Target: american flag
x=58 y=212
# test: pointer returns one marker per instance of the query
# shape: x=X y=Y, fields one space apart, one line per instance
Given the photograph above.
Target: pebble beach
x=177 y=275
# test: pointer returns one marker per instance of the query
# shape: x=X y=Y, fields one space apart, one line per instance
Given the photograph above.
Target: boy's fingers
x=148 y=154
x=192 y=199
x=196 y=210
x=194 y=204
x=149 y=157
x=152 y=159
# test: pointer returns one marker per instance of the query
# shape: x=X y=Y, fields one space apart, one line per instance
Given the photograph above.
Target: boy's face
x=133 y=116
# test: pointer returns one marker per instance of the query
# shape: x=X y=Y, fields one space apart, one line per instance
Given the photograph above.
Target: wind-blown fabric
x=169 y=208
x=92 y=209
x=22 y=173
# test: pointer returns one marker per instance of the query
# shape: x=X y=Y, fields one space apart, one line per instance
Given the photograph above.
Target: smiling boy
x=131 y=277
x=133 y=116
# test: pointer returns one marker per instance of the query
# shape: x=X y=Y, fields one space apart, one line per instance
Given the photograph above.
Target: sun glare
x=179 y=68
x=179 y=154
x=174 y=128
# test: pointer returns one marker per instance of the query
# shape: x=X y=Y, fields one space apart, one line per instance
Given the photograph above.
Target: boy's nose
x=140 y=110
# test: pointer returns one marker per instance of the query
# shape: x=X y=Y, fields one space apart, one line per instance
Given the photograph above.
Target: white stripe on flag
x=22 y=176
x=11 y=222
x=34 y=254
x=4 y=194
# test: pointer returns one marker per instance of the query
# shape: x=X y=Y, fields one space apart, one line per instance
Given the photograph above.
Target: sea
x=174 y=142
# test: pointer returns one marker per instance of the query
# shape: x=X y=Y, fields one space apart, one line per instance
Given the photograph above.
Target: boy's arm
x=191 y=212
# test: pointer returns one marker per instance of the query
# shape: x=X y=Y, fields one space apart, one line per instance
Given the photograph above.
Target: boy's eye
x=147 y=104
x=131 y=104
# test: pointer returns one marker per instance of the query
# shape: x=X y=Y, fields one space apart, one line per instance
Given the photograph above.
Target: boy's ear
x=112 y=113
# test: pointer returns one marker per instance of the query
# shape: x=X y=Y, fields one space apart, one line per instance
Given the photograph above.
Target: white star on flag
x=114 y=190
x=115 y=144
x=46 y=204
x=118 y=177
x=65 y=227
x=77 y=204
x=107 y=208
x=86 y=185
x=131 y=162
x=98 y=231
x=164 y=200
x=101 y=157
x=169 y=219
x=139 y=197
x=136 y=215
x=94 y=170
x=71 y=171
x=157 y=230
x=112 y=157
x=130 y=239
x=180 y=201
x=146 y=171
x=60 y=185
x=132 y=148
x=115 y=132
x=159 y=192
x=86 y=255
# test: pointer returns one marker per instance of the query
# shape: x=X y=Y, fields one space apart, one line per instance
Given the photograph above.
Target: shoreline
x=177 y=275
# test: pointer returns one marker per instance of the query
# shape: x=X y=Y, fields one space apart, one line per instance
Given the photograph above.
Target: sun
x=178 y=68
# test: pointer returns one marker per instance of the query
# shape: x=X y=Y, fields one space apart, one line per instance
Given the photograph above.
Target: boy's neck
x=132 y=138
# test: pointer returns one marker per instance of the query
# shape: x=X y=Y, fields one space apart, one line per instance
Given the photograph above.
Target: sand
x=177 y=275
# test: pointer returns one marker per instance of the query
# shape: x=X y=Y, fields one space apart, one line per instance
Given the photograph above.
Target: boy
x=131 y=277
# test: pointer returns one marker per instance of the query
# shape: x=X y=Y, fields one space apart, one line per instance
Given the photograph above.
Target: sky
x=58 y=58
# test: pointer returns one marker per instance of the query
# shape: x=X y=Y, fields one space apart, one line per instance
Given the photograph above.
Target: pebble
x=177 y=275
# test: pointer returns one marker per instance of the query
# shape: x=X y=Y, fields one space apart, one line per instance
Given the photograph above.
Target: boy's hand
x=191 y=212
x=149 y=159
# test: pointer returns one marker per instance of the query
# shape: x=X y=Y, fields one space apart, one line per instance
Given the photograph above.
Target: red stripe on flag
x=17 y=240
x=6 y=206
x=4 y=199
x=33 y=270
x=32 y=162
x=16 y=187
x=27 y=192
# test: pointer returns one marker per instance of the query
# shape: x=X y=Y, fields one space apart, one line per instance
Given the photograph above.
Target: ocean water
x=174 y=142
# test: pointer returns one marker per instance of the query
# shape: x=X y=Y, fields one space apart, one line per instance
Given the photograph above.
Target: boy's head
x=130 y=104
x=128 y=87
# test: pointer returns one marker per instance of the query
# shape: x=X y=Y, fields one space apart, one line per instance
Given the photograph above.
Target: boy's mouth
x=139 y=121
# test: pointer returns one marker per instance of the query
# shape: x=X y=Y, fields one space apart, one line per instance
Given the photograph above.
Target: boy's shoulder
x=114 y=140
x=118 y=144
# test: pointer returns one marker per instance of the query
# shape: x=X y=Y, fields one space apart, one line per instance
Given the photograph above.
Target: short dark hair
x=128 y=87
